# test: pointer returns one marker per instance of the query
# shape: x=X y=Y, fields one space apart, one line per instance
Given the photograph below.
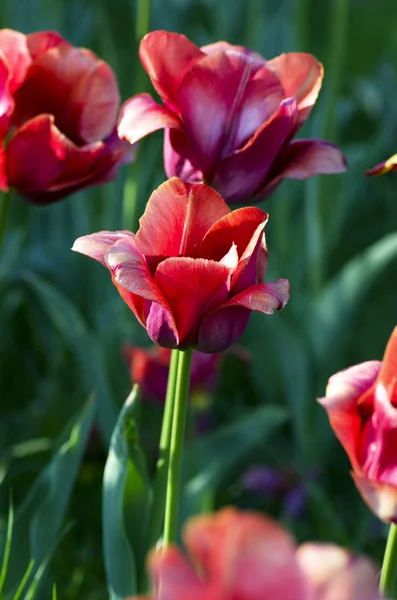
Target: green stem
x=5 y=202
x=388 y=583
x=160 y=482
x=176 y=448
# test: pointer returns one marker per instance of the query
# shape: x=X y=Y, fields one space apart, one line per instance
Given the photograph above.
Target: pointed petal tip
x=384 y=167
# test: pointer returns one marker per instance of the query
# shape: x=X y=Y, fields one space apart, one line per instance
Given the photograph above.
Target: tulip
x=361 y=403
x=192 y=274
x=149 y=369
x=58 y=112
x=388 y=165
x=247 y=556
x=229 y=115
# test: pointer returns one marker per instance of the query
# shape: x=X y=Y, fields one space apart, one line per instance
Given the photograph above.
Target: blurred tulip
x=149 y=368
x=388 y=165
x=247 y=556
x=58 y=112
x=229 y=115
x=361 y=403
x=192 y=274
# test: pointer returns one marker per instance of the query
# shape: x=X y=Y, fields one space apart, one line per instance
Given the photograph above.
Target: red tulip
x=361 y=403
x=149 y=368
x=247 y=556
x=229 y=115
x=192 y=274
x=58 y=111
x=388 y=165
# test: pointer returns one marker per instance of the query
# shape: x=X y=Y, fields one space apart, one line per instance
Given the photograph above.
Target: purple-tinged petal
x=179 y=158
x=130 y=271
x=262 y=297
x=304 y=158
x=243 y=173
x=160 y=326
x=177 y=217
x=96 y=245
x=225 y=46
x=222 y=329
x=167 y=57
x=301 y=76
x=141 y=115
x=193 y=288
x=209 y=100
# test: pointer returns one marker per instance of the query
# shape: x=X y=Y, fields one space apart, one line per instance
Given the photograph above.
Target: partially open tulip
x=229 y=115
x=247 y=556
x=193 y=273
x=149 y=369
x=58 y=112
x=388 y=165
x=361 y=403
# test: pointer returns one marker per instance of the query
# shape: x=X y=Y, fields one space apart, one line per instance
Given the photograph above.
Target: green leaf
x=218 y=454
x=87 y=349
x=7 y=547
x=336 y=305
x=126 y=504
x=39 y=519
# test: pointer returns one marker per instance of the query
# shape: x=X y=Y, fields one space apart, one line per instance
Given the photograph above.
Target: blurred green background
x=62 y=323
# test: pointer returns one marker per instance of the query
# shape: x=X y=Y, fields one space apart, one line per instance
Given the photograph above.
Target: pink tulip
x=193 y=273
x=361 y=403
x=229 y=115
x=246 y=556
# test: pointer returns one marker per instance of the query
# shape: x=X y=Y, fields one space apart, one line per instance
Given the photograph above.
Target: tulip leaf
x=126 y=505
x=334 y=308
x=218 y=454
x=88 y=351
x=39 y=519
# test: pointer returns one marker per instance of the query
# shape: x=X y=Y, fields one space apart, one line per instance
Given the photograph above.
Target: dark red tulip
x=229 y=115
x=193 y=273
x=361 y=403
x=246 y=556
x=58 y=112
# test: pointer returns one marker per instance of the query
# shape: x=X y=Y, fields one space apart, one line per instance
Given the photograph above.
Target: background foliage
x=62 y=323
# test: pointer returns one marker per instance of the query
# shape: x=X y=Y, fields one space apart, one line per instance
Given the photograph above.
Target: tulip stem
x=388 y=579
x=176 y=448
x=5 y=202
x=160 y=481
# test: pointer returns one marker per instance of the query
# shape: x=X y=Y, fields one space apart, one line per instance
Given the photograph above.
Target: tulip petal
x=141 y=115
x=388 y=371
x=193 y=287
x=41 y=41
x=6 y=99
x=14 y=49
x=304 y=158
x=60 y=166
x=380 y=497
x=343 y=392
x=243 y=173
x=130 y=271
x=173 y=576
x=237 y=227
x=210 y=100
x=243 y=555
x=301 y=76
x=96 y=245
x=388 y=165
x=178 y=157
x=335 y=574
x=161 y=327
x=81 y=93
x=224 y=326
x=3 y=174
x=177 y=217
x=167 y=57
x=222 y=46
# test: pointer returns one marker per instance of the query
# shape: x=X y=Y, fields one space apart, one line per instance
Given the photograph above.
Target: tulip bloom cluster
x=58 y=112
x=193 y=273
x=229 y=115
x=361 y=403
x=249 y=557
